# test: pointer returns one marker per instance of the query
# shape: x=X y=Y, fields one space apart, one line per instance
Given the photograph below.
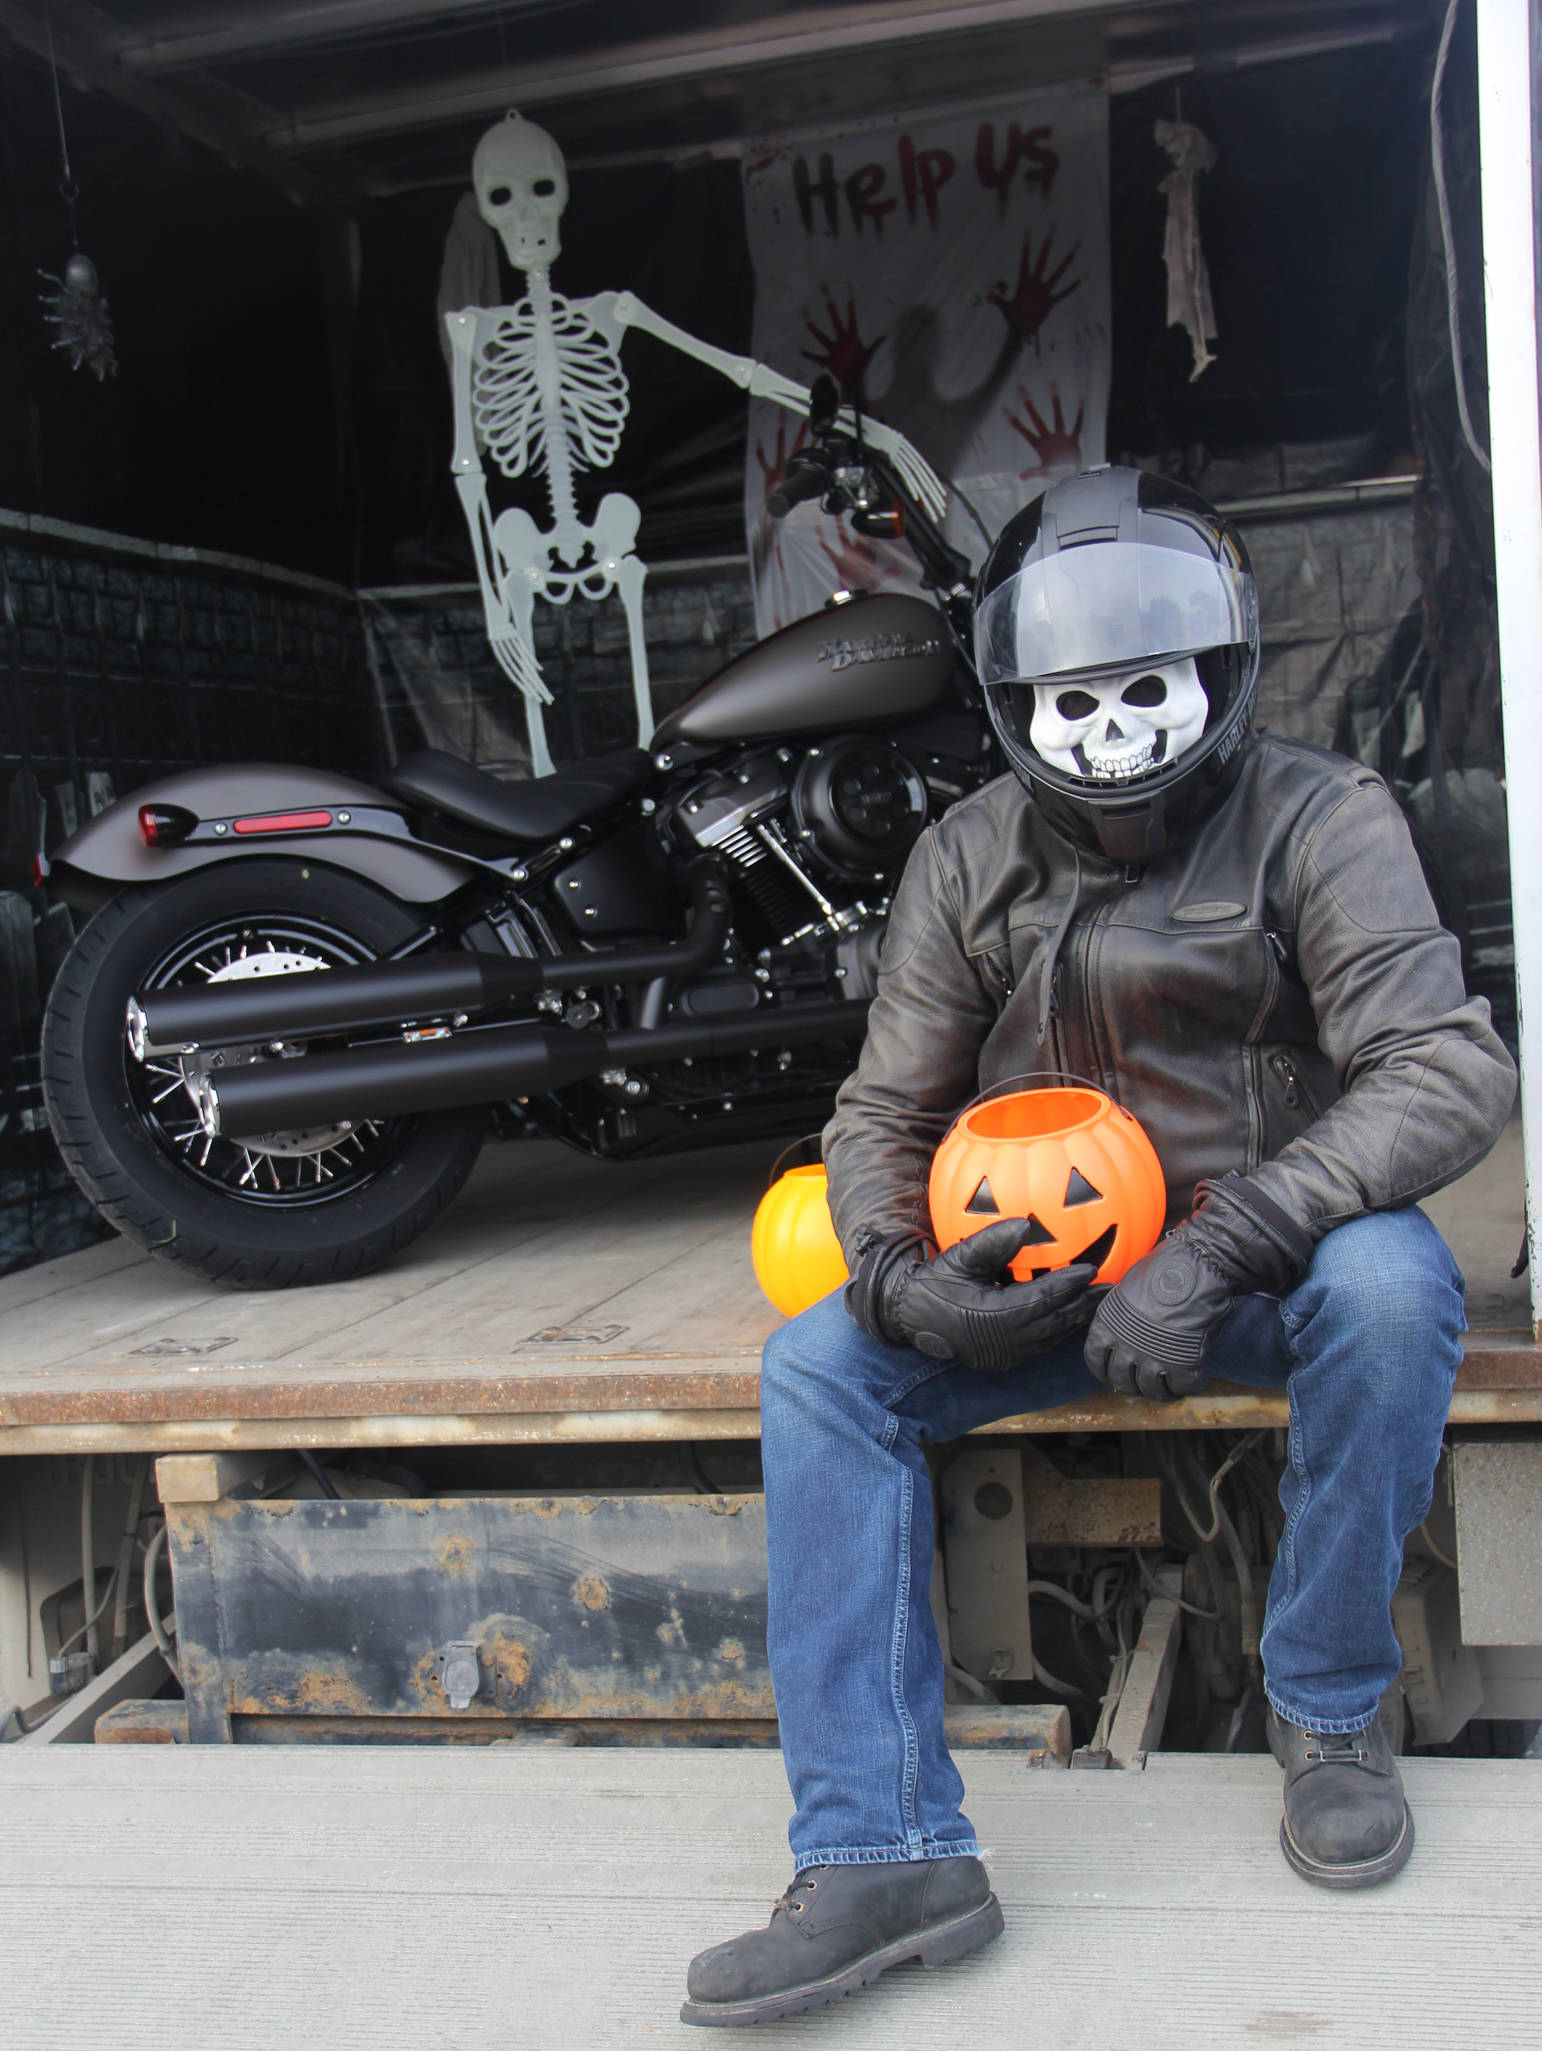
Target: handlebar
x=829 y=468
x=804 y=480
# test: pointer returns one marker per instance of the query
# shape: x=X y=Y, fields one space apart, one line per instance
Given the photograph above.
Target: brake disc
x=195 y=1066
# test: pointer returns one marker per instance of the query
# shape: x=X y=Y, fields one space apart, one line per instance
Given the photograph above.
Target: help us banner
x=955 y=267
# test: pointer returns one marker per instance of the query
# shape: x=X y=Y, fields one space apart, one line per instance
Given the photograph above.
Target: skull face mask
x=1110 y=729
x=522 y=186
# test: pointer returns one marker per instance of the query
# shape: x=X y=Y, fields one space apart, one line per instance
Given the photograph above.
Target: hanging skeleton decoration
x=77 y=312
x=1110 y=729
x=539 y=385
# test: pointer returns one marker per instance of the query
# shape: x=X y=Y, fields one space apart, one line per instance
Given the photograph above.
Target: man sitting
x=1230 y=934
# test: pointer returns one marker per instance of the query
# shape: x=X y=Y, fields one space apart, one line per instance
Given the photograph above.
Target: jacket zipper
x=1086 y=934
x=1285 y=1069
x=1056 y=1009
x=1296 y=1091
x=1276 y=955
x=1293 y=1088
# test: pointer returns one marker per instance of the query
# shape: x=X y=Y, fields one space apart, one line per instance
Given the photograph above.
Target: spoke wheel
x=278 y=1167
x=286 y=1208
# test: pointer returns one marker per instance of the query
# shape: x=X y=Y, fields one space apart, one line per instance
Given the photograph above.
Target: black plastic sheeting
x=1454 y=526
x=437 y=685
x=1348 y=665
x=1333 y=589
x=230 y=307
x=113 y=671
x=1321 y=226
x=1305 y=222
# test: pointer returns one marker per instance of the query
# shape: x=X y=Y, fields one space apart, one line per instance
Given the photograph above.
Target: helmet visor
x=1105 y=606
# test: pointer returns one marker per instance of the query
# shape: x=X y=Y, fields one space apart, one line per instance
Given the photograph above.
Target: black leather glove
x=964 y=1305
x=1151 y=1329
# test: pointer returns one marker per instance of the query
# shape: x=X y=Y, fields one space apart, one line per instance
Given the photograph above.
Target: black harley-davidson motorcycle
x=647 y=950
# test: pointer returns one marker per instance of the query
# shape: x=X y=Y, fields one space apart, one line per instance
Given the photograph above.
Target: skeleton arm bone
x=511 y=653
x=465 y=464
x=613 y=312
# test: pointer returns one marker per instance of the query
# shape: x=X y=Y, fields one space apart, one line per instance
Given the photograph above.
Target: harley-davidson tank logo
x=841 y=654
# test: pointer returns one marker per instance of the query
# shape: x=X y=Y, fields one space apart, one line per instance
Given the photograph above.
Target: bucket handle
x=1029 y=1075
x=791 y=1148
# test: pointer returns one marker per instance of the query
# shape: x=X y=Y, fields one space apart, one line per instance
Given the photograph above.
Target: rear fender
x=110 y=854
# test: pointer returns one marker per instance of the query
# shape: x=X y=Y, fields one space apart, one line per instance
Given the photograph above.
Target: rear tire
x=375 y=1192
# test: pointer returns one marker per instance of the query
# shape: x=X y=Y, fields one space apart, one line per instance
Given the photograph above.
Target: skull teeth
x=1119 y=768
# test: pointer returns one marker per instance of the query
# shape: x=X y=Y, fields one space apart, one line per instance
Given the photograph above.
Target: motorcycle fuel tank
x=867 y=660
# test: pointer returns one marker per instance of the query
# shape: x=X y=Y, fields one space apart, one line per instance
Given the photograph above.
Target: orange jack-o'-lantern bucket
x=793 y=1246
x=1071 y=1161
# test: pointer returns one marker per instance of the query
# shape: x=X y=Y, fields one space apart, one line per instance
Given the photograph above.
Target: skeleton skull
x=521 y=186
x=1108 y=729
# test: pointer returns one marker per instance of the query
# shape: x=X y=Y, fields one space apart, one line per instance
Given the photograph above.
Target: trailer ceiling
x=339 y=101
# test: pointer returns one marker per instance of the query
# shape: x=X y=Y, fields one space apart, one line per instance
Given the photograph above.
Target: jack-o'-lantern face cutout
x=1072 y=1162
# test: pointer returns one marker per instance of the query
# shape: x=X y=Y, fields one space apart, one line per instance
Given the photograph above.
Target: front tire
x=279 y=1213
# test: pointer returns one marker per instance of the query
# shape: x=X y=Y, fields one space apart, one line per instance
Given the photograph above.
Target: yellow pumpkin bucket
x=796 y=1254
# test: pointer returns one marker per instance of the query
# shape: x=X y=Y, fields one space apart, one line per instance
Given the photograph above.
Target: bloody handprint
x=1029 y=305
x=842 y=352
x=765 y=536
x=855 y=562
x=1052 y=442
x=773 y=468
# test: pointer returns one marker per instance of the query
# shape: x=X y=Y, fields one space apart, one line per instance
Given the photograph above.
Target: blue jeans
x=1367 y=1348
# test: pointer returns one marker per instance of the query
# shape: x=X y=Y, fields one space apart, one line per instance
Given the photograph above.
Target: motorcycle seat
x=542 y=808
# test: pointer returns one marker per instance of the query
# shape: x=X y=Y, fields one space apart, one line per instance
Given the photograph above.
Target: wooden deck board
x=559 y=1296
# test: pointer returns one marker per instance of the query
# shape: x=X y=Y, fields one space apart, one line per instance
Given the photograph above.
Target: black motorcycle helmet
x=1109 y=569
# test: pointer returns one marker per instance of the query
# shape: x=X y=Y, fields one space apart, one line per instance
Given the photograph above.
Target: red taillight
x=283 y=822
x=40 y=871
x=165 y=825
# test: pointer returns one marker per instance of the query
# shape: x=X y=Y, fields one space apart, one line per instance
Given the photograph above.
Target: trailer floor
x=515 y=1900
x=559 y=1298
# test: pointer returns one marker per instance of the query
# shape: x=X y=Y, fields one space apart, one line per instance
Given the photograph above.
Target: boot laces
x=803 y=1883
x=1338 y=1748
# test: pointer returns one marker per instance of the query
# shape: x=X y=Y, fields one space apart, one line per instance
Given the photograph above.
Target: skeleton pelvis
x=571 y=556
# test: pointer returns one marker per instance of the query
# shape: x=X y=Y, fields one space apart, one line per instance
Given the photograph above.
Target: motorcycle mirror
x=882 y=523
x=824 y=402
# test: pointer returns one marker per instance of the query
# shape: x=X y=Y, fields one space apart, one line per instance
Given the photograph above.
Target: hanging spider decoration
x=77 y=312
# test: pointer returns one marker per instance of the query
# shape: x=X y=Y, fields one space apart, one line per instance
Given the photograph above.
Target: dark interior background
x=282 y=396
x=222 y=428
x=265 y=406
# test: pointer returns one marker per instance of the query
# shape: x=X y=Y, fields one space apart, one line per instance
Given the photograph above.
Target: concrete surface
x=162 y=1899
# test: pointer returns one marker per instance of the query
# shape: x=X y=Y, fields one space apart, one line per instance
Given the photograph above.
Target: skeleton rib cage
x=591 y=389
x=539 y=386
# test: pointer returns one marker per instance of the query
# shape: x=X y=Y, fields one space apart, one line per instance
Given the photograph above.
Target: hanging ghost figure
x=539 y=385
x=1110 y=729
x=1188 y=276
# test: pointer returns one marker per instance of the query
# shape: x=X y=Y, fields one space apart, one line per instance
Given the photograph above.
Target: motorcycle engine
x=818 y=836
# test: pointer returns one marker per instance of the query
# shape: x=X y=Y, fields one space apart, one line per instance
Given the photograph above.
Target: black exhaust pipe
x=394 y=993
x=483 y=1066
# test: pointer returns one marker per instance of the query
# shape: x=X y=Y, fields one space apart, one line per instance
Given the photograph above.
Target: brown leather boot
x=838 y=1927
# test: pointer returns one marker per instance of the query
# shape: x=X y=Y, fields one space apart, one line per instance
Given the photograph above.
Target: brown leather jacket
x=1276 y=996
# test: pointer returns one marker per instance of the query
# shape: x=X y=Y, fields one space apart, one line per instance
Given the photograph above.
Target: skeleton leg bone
x=521 y=551
x=613 y=538
x=631 y=574
x=521 y=600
